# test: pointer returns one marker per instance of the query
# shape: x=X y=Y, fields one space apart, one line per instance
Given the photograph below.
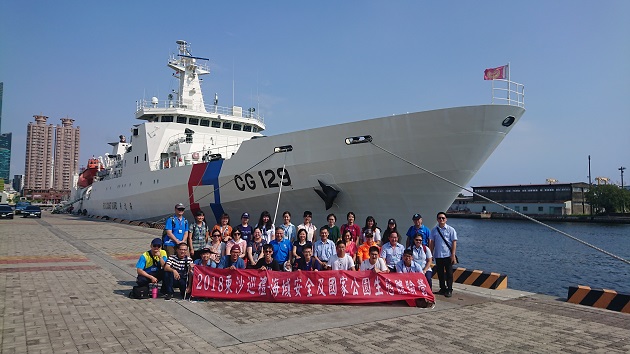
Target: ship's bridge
x=229 y=118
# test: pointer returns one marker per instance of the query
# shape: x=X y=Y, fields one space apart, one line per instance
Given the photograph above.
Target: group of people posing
x=296 y=248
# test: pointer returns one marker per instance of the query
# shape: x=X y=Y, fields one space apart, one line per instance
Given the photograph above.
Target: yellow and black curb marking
x=600 y=298
x=478 y=278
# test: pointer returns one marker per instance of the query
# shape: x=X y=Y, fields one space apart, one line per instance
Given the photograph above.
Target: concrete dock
x=64 y=282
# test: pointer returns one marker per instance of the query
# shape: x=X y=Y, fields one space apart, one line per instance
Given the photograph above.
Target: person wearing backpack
x=198 y=236
x=175 y=230
x=423 y=257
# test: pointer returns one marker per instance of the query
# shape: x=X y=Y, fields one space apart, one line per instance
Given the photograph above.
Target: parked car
x=19 y=206
x=6 y=212
x=32 y=210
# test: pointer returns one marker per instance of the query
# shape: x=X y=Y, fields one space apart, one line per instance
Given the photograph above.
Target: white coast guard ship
x=216 y=159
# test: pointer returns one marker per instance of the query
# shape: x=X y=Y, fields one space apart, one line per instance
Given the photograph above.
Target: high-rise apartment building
x=18 y=183
x=66 y=162
x=38 y=167
x=5 y=145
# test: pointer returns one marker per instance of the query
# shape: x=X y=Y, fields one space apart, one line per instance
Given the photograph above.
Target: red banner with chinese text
x=327 y=287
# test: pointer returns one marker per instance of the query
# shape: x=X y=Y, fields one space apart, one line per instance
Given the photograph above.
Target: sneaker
x=449 y=293
x=168 y=297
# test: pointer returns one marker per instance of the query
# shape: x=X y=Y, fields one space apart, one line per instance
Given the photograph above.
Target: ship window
x=216 y=124
x=135 y=131
x=247 y=128
x=227 y=125
x=205 y=123
x=540 y=208
x=167 y=119
x=181 y=119
x=236 y=127
x=193 y=121
x=255 y=130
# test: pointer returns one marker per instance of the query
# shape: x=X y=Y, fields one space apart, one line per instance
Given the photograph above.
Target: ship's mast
x=188 y=71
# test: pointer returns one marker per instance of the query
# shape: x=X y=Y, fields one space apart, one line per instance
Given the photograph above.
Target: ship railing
x=197 y=156
x=234 y=111
x=508 y=93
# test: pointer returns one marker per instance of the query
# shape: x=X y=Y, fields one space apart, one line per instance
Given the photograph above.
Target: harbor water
x=540 y=260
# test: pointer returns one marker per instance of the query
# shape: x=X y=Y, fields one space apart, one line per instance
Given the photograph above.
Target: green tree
x=608 y=198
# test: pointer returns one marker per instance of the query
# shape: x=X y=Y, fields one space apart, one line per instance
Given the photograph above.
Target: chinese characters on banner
x=328 y=287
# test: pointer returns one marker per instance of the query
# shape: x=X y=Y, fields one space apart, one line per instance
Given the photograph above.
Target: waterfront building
x=66 y=162
x=38 y=167
x=5 y=156
x=52 y=157
x=18 y=183
x=533 y=199
x=5 y=146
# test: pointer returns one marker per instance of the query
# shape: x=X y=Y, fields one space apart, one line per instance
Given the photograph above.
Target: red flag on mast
x=495 y=73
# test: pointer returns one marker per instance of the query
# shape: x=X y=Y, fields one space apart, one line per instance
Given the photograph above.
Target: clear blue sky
x=323 y=62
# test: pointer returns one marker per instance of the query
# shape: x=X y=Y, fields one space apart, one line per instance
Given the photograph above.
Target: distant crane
x=602 y=180
x=552 y=181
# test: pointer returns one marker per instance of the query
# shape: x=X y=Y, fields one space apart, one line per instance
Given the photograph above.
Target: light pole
x=624 y=202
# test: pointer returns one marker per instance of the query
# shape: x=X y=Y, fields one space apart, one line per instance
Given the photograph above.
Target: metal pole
x=590 y=183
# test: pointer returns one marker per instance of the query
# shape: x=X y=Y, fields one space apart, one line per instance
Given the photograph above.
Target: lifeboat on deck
x=86 y=178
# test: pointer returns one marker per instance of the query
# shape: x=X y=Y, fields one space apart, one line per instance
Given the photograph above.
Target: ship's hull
x=452 y=143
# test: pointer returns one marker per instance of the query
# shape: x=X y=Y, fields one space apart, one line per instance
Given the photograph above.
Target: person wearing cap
x=198 y=238
x=232 y=260
x=364 y=250
x=392 y=251
x=176 y=229
x=443 y=245
x=391 y=227
x=417 y=229
x=308 y=226
x=205 y=259
x=150 y=265
x=245 y=228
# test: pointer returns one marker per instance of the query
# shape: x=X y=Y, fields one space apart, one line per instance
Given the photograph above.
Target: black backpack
x=140 y=292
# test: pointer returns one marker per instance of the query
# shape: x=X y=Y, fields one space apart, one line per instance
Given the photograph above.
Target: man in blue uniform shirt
x=176 y=228
x=417 y=229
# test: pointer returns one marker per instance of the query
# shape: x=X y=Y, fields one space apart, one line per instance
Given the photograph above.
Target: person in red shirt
x=355 y=230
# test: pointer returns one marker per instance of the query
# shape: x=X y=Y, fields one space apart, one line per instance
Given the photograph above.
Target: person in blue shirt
x=232 y=260
x=443 y=245
x=176 y=228
x=150 y=265
x=407 y=265
x=417 y=229
x=205 y=259
x=281 y=248
x=323 y=249
x=392 y=251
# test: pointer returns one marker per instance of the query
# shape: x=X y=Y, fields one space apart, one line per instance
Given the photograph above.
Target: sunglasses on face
x=418 y=240
x=237 y=233
x=215 y=235
x=181 y=209
x=441 y=218
x=156 y=246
